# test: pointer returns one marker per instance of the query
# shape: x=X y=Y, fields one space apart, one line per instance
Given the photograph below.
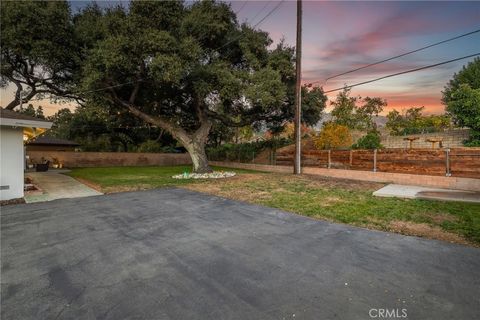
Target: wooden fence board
x=464 y=162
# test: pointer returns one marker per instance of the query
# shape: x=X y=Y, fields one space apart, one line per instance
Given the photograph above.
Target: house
x=12 y=159
x=46 y=143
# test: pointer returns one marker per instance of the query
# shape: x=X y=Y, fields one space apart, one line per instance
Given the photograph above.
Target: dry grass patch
x=319 y=181
x=426 y=231
x=439 y=218
x=330 y=201
x=116 y=189
x=233 y=188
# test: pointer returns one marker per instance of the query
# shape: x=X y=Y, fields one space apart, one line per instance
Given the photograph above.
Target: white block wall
x=11 y=163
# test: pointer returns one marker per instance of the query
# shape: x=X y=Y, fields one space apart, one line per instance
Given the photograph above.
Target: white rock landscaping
x=211 y=175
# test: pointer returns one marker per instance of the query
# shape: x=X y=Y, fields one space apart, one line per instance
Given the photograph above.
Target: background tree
x=100 y=129
x=344 y=106
x=464 y=106
x=470 y=74
x=333 y=136
x=369 y=141
x=346 y=112
x=183 y=67
x=412 y=121
x=367 y=112
x=289 y=131
x=461 y=97
x=30 y=110
x=220 y=134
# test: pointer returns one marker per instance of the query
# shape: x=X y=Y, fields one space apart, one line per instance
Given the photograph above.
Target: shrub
x=369 y=141
x=150 y=146
x=474 y=140
x=333 y=136
x=244 y=152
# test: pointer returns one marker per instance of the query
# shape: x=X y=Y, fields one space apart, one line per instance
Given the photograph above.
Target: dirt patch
x=426 y=231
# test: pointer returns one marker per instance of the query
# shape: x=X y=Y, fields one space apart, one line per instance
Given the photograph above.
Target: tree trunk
x=197 y=153
x=194 y=143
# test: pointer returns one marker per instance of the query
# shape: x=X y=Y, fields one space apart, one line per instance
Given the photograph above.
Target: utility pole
x=298 y=93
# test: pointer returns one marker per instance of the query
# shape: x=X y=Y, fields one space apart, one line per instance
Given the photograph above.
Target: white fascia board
x=25 y=123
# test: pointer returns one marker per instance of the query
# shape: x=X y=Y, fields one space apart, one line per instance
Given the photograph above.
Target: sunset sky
x=340 y=35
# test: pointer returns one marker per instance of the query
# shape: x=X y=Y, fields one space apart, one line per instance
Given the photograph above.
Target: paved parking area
x=177 y=254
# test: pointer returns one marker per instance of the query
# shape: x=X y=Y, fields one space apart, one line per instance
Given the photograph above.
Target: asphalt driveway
x=177 y=254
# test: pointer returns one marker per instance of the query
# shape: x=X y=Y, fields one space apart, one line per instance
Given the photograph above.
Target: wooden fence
x=459 y=162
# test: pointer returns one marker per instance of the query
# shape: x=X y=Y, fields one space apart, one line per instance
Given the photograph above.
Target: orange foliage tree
x=333 y=136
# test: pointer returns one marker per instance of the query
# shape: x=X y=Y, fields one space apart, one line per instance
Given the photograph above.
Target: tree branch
x=175 y=130
x=16 y=101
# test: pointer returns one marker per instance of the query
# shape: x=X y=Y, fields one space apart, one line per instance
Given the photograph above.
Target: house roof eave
x=25 y=123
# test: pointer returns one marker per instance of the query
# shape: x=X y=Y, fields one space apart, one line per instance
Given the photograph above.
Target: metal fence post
x=447 y=163
x=375 y=160
x=329 y=159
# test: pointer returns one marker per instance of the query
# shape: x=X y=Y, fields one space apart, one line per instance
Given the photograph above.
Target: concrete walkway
x=416 y=192
x=55 y=185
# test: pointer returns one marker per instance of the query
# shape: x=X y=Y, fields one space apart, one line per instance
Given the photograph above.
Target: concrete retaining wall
x=106 y=159
x=457 y=183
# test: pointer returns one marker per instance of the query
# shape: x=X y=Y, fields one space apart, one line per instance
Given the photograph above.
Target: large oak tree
x=183 y=68
x=39 y=55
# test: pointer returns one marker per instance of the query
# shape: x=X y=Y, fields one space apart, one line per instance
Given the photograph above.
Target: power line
x=404 y=72
x=241 y=8
x=400 y=55
x=254 y=26
x=260 y=11
x=268 y=14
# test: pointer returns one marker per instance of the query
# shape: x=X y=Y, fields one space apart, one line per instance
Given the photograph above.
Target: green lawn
x=113 y=179
x=337 y=200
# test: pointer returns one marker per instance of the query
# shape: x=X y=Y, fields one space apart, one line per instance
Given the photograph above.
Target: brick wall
x=106 y=159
